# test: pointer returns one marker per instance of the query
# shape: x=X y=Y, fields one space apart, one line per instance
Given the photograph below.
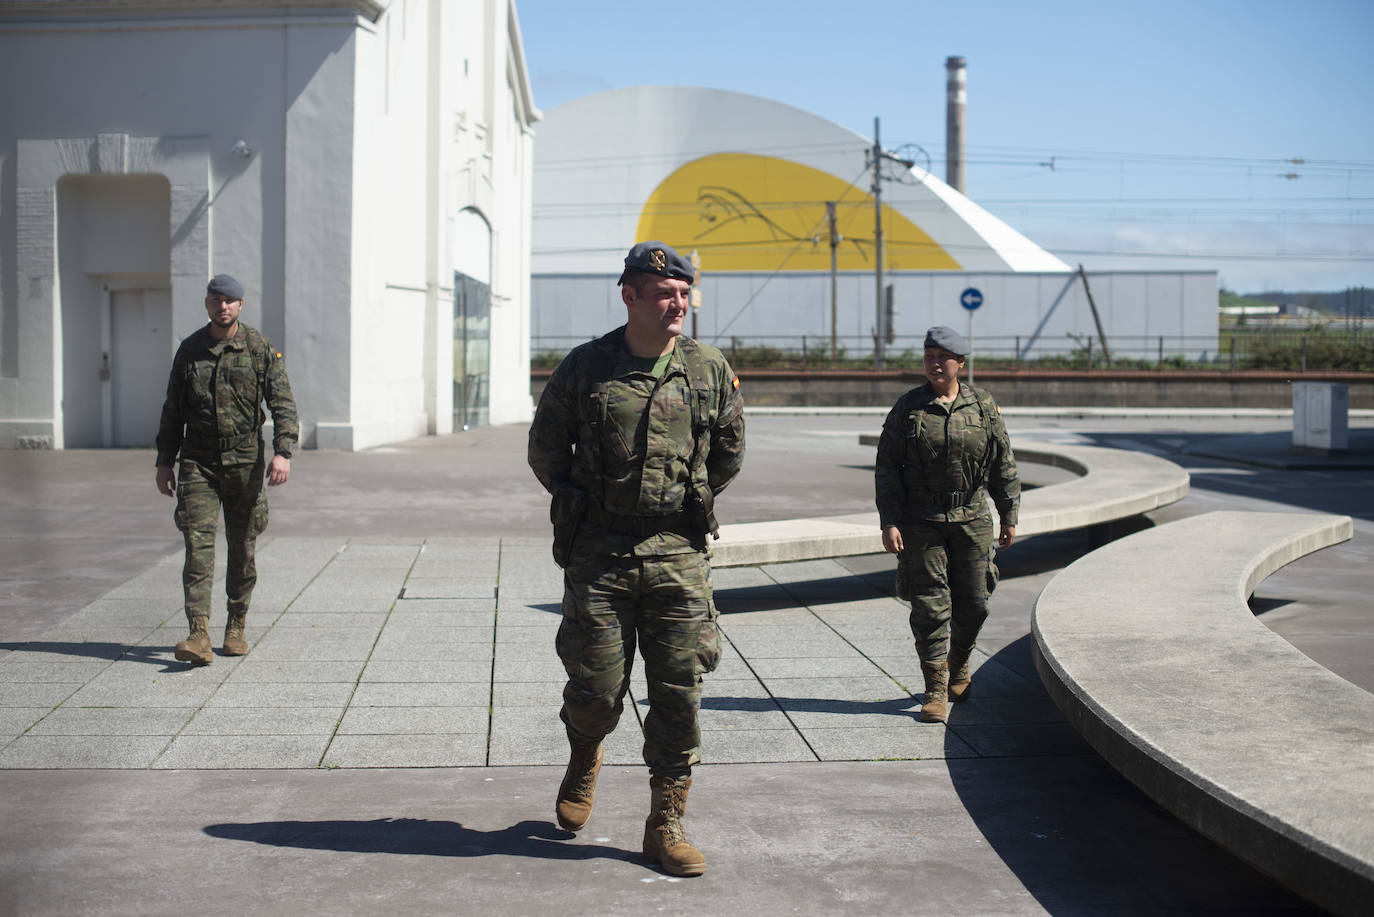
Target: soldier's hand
x=1006 y=536
x=892 y=539
x=166 y=480
x=278 y=470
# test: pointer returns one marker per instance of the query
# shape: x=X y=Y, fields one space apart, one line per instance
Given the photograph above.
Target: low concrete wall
x=1148 y=647
x=1112 y=484
x=1043 y=389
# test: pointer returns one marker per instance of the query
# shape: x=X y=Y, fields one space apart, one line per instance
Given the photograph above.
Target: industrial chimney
x=954 y=124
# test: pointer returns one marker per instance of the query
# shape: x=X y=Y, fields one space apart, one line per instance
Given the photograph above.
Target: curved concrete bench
x=1112 y=484
x=1148 y=647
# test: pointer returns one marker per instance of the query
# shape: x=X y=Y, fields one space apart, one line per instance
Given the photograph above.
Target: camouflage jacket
x=215 y=395
x=588 y=433
x=935 y=459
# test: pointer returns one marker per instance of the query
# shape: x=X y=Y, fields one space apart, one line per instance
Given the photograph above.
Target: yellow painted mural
x=744 y=212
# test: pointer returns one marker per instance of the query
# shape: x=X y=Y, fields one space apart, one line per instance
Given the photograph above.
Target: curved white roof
x=744 y=180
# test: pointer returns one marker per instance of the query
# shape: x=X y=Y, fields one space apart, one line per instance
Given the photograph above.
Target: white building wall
x=364 y=146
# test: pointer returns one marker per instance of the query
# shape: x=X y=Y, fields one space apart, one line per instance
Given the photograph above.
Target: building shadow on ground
x=152 y=655
x=420 y=837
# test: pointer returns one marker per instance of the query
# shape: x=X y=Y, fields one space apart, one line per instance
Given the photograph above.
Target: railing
x=1232 y=348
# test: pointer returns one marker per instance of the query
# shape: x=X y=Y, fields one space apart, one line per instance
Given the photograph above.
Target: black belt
x=949 y=499
x=221 y=444
x=640 y=526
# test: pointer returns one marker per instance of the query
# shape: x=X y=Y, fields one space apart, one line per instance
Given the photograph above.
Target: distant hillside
x=1361 y=300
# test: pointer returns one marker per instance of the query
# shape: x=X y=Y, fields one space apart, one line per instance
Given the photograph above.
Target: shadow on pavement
x=420 y=836
x=98 y=650
x=1076 y=833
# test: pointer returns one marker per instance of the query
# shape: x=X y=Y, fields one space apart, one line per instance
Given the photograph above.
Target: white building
x=746 y=181
x=363 y=168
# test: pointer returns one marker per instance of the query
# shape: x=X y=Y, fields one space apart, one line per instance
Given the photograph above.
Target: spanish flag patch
x=736 y=382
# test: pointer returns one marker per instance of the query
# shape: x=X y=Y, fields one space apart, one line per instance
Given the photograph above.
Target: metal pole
x=878 y=329
x=834 y=283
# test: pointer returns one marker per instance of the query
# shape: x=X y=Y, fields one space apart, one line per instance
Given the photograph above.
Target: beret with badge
x=947 y=338
x=657 y=258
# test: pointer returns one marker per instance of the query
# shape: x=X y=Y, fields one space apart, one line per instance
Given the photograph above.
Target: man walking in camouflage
x=635 y=434
x=213 y=417
x=943 y=442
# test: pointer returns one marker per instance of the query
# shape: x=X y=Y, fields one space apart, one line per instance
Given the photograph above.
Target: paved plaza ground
x=392 y=739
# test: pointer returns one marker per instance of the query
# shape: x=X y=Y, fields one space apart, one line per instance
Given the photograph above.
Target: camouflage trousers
x=663 y=605
x=202 y=489
x=949 y=574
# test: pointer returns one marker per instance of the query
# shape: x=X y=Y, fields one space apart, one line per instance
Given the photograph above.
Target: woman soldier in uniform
x=942 y=443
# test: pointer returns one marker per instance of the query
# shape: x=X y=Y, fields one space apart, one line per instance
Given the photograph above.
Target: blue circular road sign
x=971 y=299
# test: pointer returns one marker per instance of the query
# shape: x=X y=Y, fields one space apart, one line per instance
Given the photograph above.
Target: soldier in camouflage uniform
x=212 y=417
x=942 y=443
x=635 y=434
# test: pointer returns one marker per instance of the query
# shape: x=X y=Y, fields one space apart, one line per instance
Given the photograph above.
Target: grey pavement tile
x=457 y=608
x=528 y=694
x=523 y=667
x=549 y=617
x=304 y=644
x=879 y=688
x=292 y=618
x=447 y=694
x=59 y=751
x=15 y=720
x=740 y=714
x=275 y=721
x=124 y=614
x=272 y=694
x=739 y=578
x=237 y=751
x=865 y=611
x=463 y=750
x=474 y=668
x=754 y=746
x=987 y=710
x=114 y=721
x=59 y=669
x=779 y=646
x=783 y=619
x=732 y=667
x=919 y=740
x=475 y=628
x=826 y=713
x=713 y=687
x=148 y=688
x=447 y=589
x=528 y=736
x=434 y=644
x=340 y=604
x=415 y=721
x=97 y=635
x=381 y=555
x=37 y=695
x=254 y=669
x=1022 y=740
x=848 y=666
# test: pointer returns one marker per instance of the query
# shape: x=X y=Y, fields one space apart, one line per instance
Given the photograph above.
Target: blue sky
x=1170 y=126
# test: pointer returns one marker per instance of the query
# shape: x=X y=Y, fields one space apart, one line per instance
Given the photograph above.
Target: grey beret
x=657 y=258
x=948 y=339
x=224 y=285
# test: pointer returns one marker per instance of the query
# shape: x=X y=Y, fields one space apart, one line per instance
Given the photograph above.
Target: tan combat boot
x=935 y=709
x=664 y=840
x=235 y=636
x=959 y=678
x=196 y=647
x=578 y=790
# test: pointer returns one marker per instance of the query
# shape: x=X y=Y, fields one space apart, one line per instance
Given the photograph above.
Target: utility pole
x=834 y=283
x=878 y=330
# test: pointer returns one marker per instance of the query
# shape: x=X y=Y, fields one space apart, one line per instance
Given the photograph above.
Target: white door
x=140 y=359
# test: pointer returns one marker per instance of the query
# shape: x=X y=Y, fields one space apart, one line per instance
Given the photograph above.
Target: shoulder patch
x=735 y=381
x=277 y=355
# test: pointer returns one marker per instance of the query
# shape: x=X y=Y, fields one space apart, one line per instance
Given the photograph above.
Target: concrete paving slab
x=45 y=694
x=754 y=746
x=107 y=721
x=427 y=750
x=16 y=720
x=1019 y=740
x=286 y=671
x=447 y=694
x=273 y=721
x=65 y=751
x=274 y=694
x=886 y=743
x=242 y=752
x=474 y=668
x=395 y=721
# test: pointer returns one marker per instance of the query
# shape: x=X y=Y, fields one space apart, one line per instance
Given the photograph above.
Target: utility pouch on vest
x=700 y=504
x=566 y=511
